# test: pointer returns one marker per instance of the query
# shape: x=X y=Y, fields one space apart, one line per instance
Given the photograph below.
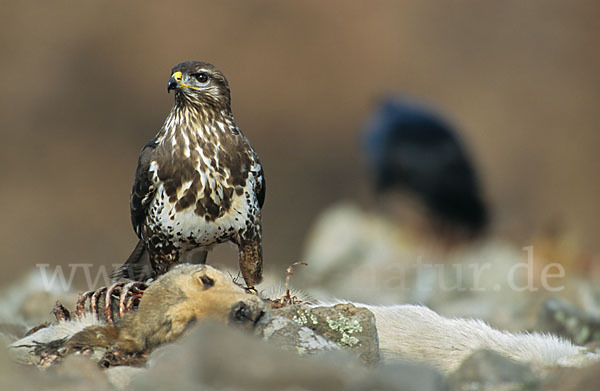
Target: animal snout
x=244 y=312
x=241 y=312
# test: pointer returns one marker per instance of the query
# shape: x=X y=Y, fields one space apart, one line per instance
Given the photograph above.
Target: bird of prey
x=412 y=149
x=198 y=181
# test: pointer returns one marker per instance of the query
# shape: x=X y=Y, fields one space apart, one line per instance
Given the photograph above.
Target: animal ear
x=206 y=280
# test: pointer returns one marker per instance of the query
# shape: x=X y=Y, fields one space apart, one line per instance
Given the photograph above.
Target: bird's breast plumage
x=206 y=178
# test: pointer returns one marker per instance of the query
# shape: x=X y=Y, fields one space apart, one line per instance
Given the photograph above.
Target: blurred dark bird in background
x=411 y=150
x=198 y=182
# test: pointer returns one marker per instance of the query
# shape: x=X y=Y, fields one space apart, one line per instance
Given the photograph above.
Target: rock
x=289 y=335
x=406 y=376
x=74 y=373
x=81 y=370
x=350 y=327
x=567 y=379
x=221 y=358
x=489 y=370
x=120 y=377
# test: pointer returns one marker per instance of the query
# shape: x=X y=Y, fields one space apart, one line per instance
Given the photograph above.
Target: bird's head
x=199 y=83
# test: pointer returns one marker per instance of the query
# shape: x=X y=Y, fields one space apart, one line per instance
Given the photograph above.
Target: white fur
x=23 y=349
x=416 y=333
x=59 y=330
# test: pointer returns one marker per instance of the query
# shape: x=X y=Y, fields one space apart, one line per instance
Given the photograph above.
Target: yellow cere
x=178 y=76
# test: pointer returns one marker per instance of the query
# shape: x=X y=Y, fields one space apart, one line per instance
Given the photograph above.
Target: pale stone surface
x=349 y=327
x=488 y=370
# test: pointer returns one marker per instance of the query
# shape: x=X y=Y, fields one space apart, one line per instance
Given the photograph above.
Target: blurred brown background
x=84 y=88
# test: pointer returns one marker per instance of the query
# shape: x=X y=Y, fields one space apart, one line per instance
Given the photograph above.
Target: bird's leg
x=250 y=259
x=162 y=254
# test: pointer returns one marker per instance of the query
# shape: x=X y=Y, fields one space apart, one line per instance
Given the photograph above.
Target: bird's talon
x=251 y=290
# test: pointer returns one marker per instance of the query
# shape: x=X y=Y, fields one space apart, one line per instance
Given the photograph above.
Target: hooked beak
x=174 y=81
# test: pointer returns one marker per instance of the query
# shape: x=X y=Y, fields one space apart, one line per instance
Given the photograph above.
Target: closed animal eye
x=207 y=281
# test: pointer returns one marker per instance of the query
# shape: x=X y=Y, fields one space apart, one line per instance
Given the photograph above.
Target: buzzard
x=198 y=181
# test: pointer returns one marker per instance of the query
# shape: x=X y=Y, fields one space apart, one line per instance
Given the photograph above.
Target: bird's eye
x=202 y=77
x=207 y=281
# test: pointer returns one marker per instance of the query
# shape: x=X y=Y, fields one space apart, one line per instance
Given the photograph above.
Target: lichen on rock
x=349 y=327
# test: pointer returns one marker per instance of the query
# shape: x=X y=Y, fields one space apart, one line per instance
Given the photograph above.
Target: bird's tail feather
x=136 y=267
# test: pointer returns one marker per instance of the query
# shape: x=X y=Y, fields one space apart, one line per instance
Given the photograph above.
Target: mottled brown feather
x=190 y=176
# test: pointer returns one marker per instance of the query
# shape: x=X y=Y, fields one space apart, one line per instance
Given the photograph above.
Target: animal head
x=199 y=84
x=203 y=292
